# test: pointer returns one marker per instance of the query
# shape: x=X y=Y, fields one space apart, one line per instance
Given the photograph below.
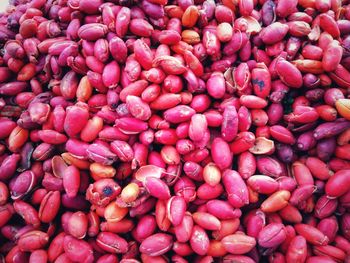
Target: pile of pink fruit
x=175 y=131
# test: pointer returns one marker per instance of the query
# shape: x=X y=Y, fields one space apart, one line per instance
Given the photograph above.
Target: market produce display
x=175 y=131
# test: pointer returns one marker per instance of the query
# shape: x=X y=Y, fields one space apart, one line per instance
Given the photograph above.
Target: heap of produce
x=175 y=131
